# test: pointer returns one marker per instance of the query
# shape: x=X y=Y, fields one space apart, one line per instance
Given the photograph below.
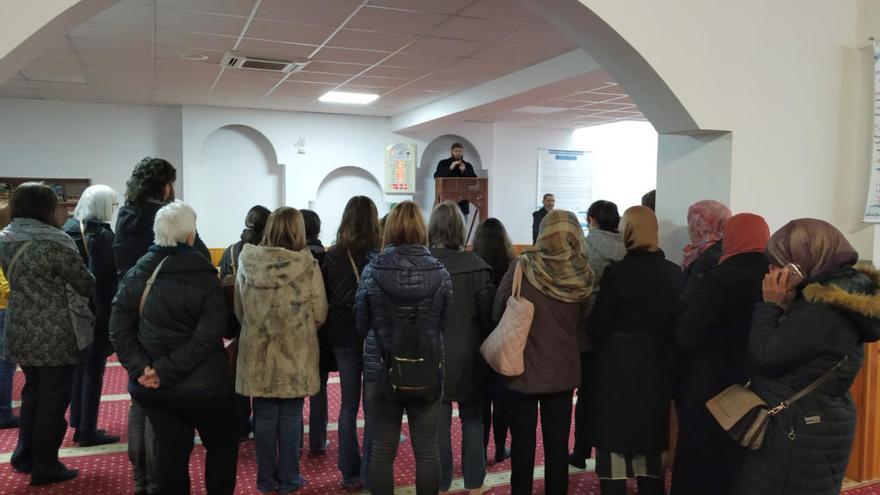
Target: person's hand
x=777 y=288
x=149 y=378
x=455 y=164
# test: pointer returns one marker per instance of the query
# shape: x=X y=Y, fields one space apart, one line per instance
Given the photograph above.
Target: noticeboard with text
x=400 y=168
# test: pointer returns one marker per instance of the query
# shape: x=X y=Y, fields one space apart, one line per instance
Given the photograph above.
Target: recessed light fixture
x=192 y=56
x=351 y=98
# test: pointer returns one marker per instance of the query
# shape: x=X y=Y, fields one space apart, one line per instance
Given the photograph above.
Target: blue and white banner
x=872 y=209
x=567 y=175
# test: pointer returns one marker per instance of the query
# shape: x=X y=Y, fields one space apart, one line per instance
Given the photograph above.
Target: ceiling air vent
x=238 y=61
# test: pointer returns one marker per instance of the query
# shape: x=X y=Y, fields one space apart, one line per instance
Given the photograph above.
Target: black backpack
x=413 y=366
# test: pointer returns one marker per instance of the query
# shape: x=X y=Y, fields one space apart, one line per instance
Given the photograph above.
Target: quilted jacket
x=807 y=446
x=414 y=282
x=342 y=285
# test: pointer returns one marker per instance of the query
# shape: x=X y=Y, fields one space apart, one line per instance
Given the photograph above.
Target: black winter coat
x=806 y=447
x=134 y=234
x=712 y=338
x=180 y=332
x=706 y=261
x=99 y=241
x=342 y=285
x=631 y=329
x=414 y=282
x=468 y=325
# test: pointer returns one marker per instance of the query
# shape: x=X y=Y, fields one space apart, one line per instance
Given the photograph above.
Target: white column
x=876 y=258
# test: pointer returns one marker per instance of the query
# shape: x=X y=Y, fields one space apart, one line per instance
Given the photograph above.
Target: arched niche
x=237 y=169
x=336 y=189
x=439 y=149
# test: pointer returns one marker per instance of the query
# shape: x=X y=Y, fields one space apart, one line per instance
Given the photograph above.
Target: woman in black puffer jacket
x=172 y=350
x=403 y=288
x=804 y=327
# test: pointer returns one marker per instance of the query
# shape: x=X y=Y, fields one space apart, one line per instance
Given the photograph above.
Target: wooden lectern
x=472 y=189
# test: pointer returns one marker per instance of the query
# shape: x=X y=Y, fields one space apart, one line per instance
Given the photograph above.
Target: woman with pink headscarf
x=818 y=311
x=706 y=222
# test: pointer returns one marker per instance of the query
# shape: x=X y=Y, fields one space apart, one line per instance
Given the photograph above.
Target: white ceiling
x=408 y=51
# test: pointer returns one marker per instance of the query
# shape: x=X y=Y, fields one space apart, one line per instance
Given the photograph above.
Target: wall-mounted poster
x=568 y=175
x=872 y=208
x=400 y=168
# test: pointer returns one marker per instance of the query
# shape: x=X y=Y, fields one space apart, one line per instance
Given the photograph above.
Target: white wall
x=101 y=142
x=790 y=79
x=335 y=191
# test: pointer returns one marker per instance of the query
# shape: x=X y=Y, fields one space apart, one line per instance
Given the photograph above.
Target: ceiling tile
x=322 y=12
x=601 y=106
x=396 y=21
x=505 y=10
x=481 y=66
x=439 y=7
x=16 y=81
x=233 y=91
x=348 y=56
x=289 y=32
x=424 y=85
x=586 y=97
x=378 y=82
x=465 y=28
x=229 y=7
x=370 y=40
x=186 y=68
x=250 y=78
x=194 y=41
x=274 y=49
x=18 y=92
x=188 y=20
x=433 y=62
x=451 y=75
x=561 y=103
x=336 y=68
x=172 y=52
x=397 y=72
x=445 y=47
x=540 y=36
x=120 y=14
x=275 y=102
x=319 y=77
x=192 y=86
x=302 y=90
x=518 y=55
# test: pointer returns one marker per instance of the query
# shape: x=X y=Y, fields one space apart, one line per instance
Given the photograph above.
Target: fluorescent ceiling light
x=539 y=110
x=47 y=77
x=352 y=98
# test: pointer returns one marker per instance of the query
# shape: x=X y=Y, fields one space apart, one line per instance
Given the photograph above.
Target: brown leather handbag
x=745 y=416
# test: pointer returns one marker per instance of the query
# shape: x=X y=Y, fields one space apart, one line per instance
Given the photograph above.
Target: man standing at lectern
x=455 y=166
x=549 y=202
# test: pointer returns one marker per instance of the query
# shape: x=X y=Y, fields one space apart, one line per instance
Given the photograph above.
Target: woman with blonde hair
x=281 y=302
x=90 y=230
x=7 y=368
x=402 y=306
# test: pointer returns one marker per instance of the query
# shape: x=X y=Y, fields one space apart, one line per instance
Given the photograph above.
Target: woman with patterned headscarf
x=557 y=280
x=706 y=222
x=631 y=330
x=818 y=310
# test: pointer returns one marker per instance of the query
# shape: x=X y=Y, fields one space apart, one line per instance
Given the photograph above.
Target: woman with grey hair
x=469 y=323
x=90 y=230
x=166 y=324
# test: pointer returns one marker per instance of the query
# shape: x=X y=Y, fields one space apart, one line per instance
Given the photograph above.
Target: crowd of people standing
x=400 y=308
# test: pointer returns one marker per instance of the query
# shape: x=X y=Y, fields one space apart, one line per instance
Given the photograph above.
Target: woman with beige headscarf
x=631 y=330
x=818 y=310
x=557 y=280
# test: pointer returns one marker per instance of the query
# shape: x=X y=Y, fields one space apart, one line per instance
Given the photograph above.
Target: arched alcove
x=335 y=191
x=439 y=149
x=237 y=169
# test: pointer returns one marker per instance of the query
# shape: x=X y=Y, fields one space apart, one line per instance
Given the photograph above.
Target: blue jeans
x=351 y=365
x=386 y=419
x=473 y=460
x=277 y=434
x=7 y=372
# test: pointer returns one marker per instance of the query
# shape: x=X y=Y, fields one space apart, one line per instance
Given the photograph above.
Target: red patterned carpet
x=105 y=470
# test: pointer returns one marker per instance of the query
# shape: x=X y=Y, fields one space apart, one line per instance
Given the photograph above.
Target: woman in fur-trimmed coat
x=281 y=303
x=804 y=328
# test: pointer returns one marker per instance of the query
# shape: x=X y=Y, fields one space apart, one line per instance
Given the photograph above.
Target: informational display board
x=400 y=168
x=568 y=175
x=872 y=208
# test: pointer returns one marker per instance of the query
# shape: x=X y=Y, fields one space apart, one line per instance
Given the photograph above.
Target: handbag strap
x=234 y=262
x=354 y=268
x=808 y=389
x=14 y=259
x=149 y=286
x=516 y=288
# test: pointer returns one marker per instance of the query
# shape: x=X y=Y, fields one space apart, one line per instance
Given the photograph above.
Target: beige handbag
x=503 y=349
x=744 y=415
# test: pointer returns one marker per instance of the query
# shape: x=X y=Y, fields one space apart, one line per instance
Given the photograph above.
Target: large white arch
x=336 y=188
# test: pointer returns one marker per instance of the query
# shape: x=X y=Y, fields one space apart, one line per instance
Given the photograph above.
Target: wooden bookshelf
x=69 y=190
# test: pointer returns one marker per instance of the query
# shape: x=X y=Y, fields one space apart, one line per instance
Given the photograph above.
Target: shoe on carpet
x=97 y=439
x=24 y=469
x=98 y=431
x=501 y=455
x=320 y=452
x=577 y=461
x=57 y=477
x=12 y=423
